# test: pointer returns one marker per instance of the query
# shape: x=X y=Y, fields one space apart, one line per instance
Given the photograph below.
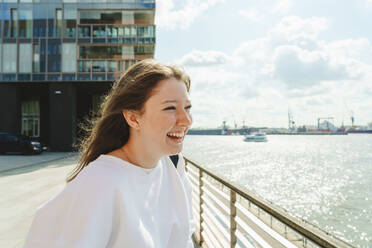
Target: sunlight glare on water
x=326 y=180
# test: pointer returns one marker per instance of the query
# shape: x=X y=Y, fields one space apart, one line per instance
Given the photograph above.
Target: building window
x=10 y=53
x=99 y=31
x=100 y=17
x=25 y=53
x=84 y=32
x=69 y=57
x=36 y=58
x=128 y=17
x=42 y=55
x=25 y=23
x=143 y=49
x=70 y=16
x=31 y=118
x=58 y=22
x=111 y=66
x=144 y=17
x=99 y=66
x=54 y=56
x=128 y=52
x=40 y=19
x=51 y=20
x=100 y=52
x=84 y=66
x=13 y=22
x=9 y=77
x=6 y=18
x=24 y=77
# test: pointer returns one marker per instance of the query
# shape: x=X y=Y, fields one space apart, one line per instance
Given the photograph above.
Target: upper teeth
x=179 y=135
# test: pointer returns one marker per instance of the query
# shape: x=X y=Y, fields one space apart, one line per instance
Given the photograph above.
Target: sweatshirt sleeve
x=81 y=216
x=185 y=180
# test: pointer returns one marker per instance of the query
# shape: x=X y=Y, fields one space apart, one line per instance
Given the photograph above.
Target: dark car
x=19 y=143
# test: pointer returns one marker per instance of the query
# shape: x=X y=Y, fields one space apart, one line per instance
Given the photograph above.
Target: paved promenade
x=26 y=182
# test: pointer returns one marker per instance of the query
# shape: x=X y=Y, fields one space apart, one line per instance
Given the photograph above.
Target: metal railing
x=227 y=215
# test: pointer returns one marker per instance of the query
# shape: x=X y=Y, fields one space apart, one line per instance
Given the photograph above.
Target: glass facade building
x=73 y=40
x=67 y=52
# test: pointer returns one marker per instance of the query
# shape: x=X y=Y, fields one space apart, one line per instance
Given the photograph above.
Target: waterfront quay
x=244 y=131
x=225 y=214
x=26 y=182
x=221 y=131
x=309 y=133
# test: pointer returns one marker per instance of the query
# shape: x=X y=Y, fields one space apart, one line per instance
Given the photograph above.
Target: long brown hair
x=110 y=131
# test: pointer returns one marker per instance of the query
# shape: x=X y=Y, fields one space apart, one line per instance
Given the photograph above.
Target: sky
x=252 y=62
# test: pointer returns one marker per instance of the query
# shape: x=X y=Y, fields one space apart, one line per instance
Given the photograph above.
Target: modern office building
x=58 y=57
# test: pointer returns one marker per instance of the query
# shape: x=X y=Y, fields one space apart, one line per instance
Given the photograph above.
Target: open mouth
x=176 y=137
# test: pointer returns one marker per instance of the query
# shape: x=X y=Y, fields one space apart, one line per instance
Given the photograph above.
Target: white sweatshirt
x=113 y=203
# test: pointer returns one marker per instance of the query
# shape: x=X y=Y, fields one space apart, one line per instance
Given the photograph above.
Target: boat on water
x=255 y=137
x=361 y=129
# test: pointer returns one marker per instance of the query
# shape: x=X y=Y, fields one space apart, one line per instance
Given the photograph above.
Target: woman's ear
x=132 y=118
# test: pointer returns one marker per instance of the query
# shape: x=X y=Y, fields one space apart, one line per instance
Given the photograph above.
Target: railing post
x=232 y=219
x=186 y=165
x=200 y=206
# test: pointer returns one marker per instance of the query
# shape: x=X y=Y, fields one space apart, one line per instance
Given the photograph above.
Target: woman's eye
x=170 y=108
x=174 y=108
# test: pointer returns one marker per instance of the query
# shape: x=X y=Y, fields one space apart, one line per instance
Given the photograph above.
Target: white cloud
x=313 y=91
x=290 y=65
x=254 y=50
x=282 y=6
x=345 y=50
x=218 y=80
x=293 y=28
x=169 y=18
x=292 y=53
x=301 y=68
x=204 y=58
x=261 y=11
x=251 y=14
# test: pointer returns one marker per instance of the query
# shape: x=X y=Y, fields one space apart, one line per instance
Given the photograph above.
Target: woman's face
x=166 y=118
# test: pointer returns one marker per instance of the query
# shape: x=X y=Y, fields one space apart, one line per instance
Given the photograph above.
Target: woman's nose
x=185 y=118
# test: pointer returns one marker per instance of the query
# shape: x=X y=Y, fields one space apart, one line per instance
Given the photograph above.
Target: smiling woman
x=125 y=191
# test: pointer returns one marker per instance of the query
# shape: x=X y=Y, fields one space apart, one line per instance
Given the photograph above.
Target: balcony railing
x=227 y=215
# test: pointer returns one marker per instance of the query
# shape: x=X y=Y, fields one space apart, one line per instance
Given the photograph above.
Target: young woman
x=125 y=191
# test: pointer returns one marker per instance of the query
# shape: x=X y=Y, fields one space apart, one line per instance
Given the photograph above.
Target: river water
x=326 y=180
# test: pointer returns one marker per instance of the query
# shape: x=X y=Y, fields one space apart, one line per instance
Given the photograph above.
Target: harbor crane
x=351 y=113
x=352 y=118
x=291 y=123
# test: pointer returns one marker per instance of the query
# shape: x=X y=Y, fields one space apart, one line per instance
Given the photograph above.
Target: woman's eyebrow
x=169 y=101
x=174 y=101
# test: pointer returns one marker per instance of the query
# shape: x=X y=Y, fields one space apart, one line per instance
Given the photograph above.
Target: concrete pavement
x=26 y=182
x=12 y=161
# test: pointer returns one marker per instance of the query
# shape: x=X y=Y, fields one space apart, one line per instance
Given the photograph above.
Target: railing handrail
x=304 y=228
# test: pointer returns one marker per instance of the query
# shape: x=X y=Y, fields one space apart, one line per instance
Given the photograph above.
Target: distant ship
x=367 y=129
x=359 y=131
x=255 y=137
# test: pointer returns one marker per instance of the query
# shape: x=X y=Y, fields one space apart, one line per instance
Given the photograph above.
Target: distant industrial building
x=58 y=57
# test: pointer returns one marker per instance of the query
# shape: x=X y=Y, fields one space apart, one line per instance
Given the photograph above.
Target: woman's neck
x=136 y=154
